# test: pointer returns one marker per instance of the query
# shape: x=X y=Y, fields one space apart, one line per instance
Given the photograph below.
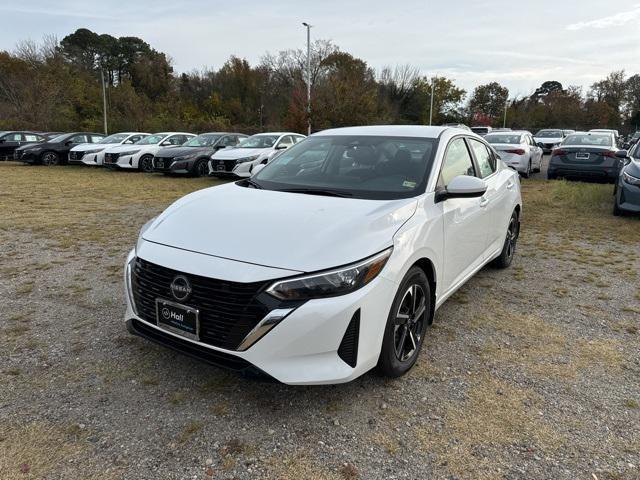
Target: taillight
x=517 y=151
x=558 y=151
x=609 y=154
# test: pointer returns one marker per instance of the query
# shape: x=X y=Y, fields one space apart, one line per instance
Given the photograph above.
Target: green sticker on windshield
x=408 y=184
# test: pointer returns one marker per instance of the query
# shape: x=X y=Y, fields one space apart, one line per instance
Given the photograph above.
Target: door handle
x=484 y=201
x=510 y=184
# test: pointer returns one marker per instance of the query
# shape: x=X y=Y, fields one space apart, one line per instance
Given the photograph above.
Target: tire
x=406 y=325
x=527 y=174
x=617 y=211
x=201 y=168
x=146 y=164
x=509 y=248
x=49 y=159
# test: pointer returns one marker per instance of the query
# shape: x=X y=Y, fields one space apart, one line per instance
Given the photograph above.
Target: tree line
x=56 y=85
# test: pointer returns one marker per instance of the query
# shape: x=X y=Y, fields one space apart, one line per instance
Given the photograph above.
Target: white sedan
x=255 y=150
x=93 y=153
x=329 y=261
x=518 y=150
x=139 y=156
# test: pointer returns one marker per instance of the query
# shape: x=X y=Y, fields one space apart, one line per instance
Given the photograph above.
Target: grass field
x=530 y=372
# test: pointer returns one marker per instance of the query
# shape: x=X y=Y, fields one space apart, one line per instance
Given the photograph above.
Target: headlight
x=97 y=150
x=331 y=283
x=129 y=152
x=247 y=159
x=630 y=179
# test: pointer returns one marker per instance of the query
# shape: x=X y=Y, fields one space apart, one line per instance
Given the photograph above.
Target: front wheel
x=146 y=164
x=49 y=159
x=201 y=168
x=406 y=325
x=509 y=248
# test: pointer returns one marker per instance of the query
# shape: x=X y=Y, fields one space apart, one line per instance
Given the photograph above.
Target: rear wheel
x=527 y=172
x=49 y=159
x=146 y=164
x=617 y=211
x=406 y=325
x=201 y=169
x=509 y=248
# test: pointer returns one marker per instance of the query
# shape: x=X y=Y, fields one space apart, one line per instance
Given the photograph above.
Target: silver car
x=518 y=150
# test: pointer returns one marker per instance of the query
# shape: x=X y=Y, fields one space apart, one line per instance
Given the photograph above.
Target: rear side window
x=32 y=138
x=486 y=162
x=457 y=161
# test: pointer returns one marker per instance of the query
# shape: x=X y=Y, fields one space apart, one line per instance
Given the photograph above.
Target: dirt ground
x=527 y=373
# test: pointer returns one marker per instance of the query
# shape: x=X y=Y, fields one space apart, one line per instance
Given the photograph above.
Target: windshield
x=204 y=140
x=549 y=133
x=597 y=140
x=115 y=138
x=503 y=138
x=152 y=139
x=371 y=167
x=59 y=138
x=259 y=141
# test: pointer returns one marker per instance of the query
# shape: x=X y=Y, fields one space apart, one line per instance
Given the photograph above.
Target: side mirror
x=462 y=186
x=540 y=144
x=2 y=140
x=257 y=168
x=69 y=142
x=282 y=147
x=166 y=143
x=622 y=154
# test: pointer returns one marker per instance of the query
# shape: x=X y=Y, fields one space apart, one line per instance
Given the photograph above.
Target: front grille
x=162 y=164
x=111 y=157
x=228 y=310
x=223 y=165
x=17 y=154
x=348 y=349
x=76 y=155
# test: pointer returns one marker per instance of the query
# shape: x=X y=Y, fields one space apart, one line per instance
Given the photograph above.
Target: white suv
x=329 y=261
x=258 y=149
x=140 y=155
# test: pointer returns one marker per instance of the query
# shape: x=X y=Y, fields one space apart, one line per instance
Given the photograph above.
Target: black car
x=54 y=151
x=192 y=157
x=587 y=156
x=9 y=141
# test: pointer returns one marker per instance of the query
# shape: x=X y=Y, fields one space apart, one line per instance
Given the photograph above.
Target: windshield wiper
x=317 y=191
x=256 y=185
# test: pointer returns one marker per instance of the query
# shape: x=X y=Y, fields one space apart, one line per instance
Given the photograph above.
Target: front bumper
x=91 y=159
x=231 y=168
x=26 y=156
x=169 y=165
x=300 y=349
x=123 y=162
x=628 y=197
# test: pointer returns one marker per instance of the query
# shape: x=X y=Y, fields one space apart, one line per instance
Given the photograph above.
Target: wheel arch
x=427 y=266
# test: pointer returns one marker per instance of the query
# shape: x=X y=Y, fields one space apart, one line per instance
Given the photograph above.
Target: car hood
x=235 y=153
x=130 y=147
x=298 y=232
x=633 y=168
x=548 y=139
x=93 y=146
x=172 y=152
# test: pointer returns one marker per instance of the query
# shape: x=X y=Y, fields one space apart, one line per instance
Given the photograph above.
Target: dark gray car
x=627 y=189
x=587 y=156
x=192 y=158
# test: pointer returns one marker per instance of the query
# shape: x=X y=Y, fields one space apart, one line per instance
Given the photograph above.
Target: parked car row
x=214 y=153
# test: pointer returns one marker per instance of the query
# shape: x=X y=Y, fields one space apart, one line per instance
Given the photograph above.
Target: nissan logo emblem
x=180 y=288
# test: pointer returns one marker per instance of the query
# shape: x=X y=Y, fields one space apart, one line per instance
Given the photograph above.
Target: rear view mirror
x=257 y=168
x=462 y=186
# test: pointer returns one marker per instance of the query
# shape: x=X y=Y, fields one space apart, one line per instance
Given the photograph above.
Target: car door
x=9 y=143
x=494 y=199
x=465 y=220
x=536 y=152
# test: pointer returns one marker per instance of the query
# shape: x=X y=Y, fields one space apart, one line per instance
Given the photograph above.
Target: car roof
x=421 y=131
x=507 y=132
x=173 y=133
x=277 y=133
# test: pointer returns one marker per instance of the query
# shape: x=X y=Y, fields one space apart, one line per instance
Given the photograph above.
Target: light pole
x=308 y=26
x=433 y=83
x=506 y=105
x=104 y=102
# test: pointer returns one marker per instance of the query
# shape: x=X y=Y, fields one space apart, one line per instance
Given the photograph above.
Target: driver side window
x=457 y=161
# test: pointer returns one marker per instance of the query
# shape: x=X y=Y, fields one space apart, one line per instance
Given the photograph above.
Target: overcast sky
x=576 y=42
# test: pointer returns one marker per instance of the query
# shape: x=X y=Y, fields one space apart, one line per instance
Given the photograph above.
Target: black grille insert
x=228 y=310
x=348 y=349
